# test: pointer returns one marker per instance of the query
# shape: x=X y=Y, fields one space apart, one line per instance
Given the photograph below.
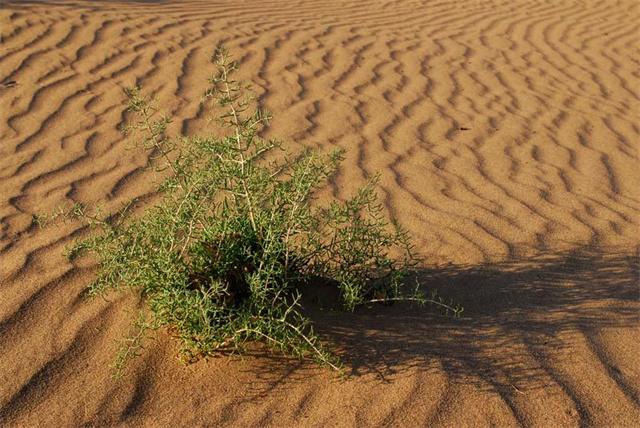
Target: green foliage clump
x=222 y=258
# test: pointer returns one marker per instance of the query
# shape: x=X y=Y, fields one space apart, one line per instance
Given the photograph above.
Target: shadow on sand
x=511 y=310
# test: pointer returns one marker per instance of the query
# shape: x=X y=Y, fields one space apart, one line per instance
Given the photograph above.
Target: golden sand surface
x=506 y=133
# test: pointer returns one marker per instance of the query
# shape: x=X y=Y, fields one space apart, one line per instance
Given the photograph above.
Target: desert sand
x=507 y=136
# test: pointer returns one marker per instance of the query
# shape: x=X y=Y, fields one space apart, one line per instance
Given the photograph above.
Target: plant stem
x=236 y=124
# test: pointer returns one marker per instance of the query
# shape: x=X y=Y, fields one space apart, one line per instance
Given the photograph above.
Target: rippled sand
x=507 y=136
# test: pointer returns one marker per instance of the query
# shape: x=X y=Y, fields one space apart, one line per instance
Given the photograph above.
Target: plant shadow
x=513 y=312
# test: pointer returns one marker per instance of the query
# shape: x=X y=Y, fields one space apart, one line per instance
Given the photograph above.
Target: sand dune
x=507 y=135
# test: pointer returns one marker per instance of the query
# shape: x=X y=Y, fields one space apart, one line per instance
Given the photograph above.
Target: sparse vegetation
x=224 y=256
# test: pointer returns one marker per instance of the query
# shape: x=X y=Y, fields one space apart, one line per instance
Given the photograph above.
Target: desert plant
x=222 y=259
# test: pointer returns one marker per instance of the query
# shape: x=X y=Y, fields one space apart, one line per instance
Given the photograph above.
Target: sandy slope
x=507 y=134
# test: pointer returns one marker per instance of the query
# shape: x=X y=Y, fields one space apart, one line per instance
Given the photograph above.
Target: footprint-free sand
x=506 y=133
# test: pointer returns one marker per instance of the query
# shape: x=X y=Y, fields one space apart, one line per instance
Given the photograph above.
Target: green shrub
x=222 y=259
